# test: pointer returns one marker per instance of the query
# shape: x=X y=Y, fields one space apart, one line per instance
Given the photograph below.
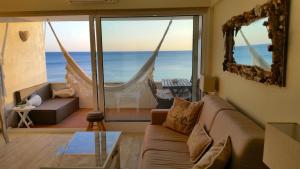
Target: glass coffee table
x=89 y=150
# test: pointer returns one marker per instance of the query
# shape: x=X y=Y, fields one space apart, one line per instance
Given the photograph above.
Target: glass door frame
x=97 y=56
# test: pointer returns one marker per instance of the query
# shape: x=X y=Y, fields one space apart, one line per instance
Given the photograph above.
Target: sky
x=256 y=34
x=129 y=35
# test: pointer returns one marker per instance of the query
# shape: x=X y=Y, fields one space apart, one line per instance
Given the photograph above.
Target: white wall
x=64 y=5
x=261 y=102
x=24 y=62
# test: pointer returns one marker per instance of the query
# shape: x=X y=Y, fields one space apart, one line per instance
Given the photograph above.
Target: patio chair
x=164 y=97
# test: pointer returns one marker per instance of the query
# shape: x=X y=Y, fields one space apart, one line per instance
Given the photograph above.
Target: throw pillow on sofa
x=216 y=157
x=63 y=93
x=198 y=142
x=35 y=100
x=183 y=115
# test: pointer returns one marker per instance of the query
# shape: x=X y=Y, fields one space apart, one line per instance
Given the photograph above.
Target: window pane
x=136 y=79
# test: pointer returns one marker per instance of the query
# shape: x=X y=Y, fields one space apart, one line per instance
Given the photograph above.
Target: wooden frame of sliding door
x=100 y=71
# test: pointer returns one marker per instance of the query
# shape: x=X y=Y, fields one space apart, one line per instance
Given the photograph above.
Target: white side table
x=23 y=113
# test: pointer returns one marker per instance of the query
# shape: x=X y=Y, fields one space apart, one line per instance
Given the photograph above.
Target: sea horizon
x=120 y=66
x=243 y=56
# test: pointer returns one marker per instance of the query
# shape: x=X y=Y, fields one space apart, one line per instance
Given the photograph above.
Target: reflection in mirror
x=251 y=45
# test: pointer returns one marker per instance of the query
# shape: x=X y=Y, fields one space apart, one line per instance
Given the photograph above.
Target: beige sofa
x=167 y=149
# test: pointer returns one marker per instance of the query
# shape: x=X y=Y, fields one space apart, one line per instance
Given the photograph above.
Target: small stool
x=95 y=117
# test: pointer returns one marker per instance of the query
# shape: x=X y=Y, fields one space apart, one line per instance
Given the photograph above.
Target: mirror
x=251 y=45
x=256 y=43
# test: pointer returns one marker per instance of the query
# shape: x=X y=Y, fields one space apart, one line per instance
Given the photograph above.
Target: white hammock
x=256 y=58
x=82 y=82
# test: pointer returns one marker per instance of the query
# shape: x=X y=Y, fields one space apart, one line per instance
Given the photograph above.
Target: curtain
x=2 y=87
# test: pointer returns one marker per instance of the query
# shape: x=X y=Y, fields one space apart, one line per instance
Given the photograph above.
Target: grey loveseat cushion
x=53 y=111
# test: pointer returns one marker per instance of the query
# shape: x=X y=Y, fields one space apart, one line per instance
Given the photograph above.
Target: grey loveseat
x=51 y=111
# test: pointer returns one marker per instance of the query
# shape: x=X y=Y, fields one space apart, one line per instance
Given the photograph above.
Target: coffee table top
x=88 y=149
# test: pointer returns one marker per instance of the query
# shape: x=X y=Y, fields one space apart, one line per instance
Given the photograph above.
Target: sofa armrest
x=158 y=116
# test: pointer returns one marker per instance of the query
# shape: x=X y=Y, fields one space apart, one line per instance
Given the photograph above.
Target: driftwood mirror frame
x=277 y=12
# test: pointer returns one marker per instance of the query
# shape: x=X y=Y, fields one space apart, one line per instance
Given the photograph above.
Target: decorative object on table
x=271 y=18
x=23 y=114
x=282 y=146
x=34 y=100
x=22 y=104
x=207 y=84
x=24 y=35
x=95 y=117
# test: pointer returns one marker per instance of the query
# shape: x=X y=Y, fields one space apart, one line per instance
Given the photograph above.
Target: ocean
x=242 y=55
x=121 y=66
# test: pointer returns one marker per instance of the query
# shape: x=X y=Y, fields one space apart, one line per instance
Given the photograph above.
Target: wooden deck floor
x=32 y=150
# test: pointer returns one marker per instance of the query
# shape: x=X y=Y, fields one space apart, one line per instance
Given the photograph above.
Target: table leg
x=30 y=121
x=25 y=117
x=21 y=120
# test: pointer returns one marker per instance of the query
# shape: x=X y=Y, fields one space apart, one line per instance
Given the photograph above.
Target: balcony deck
x=78 y=118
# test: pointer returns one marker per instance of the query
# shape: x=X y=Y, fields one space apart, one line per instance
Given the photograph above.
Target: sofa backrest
x=211 y=107
x=43 y=90
x=247 y=139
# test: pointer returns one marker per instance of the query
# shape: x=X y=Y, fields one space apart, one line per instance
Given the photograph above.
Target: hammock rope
x=257 y=59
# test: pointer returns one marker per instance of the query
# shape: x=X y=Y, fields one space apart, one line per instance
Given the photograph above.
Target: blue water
x=121 y=66
x=242 y=55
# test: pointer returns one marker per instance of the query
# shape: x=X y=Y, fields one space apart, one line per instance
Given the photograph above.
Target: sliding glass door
x=144 y=63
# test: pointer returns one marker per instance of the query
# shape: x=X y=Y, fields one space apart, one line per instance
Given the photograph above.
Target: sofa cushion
x=164 y=145
x=217 y=157
x=211 y=107
x=247 y=139
x=43 y=90
x=53 y=111
x=158 y=116
x=54 y=104
x=156 y=159
x=159 y=132
x=63 y=93
x=183 y=115
x=163 y=139
x=198 y=142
